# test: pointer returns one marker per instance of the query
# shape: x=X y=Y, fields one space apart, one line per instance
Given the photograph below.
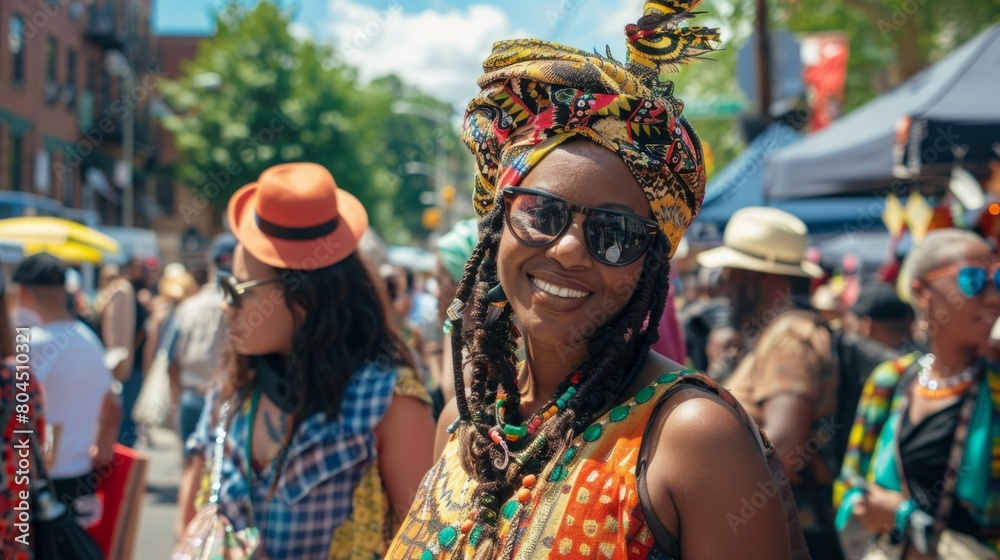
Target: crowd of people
x=538 y=395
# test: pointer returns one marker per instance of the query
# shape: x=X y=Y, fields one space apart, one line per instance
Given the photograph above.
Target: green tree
x=255 y=96
x=406 y=138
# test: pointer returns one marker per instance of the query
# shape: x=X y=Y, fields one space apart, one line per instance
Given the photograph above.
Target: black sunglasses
x=232 y=290
x=614 y=238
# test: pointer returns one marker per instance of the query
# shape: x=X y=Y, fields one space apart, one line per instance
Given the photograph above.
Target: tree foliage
x=890 y=40
x=255 y=96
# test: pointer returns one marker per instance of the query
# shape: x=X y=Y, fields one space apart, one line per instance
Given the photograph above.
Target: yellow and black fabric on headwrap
x=536 y=95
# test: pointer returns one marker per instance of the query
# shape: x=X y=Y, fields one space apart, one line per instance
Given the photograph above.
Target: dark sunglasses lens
x=536 y=219
x=615 y=239
x=972 y=280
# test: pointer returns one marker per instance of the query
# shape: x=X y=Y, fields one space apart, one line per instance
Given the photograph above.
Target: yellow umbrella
x=73 y=242
x=70 y=252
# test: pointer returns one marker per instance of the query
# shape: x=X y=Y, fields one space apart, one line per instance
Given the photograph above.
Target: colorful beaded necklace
x=504 y=432
x=451 y=536
x=941 y=388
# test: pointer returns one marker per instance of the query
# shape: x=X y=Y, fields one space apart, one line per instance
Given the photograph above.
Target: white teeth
x=556 y=290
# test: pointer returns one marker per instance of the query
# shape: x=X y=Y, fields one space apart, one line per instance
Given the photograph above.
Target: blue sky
x=436 y=45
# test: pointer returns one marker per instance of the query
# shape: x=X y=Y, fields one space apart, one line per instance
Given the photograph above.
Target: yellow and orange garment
x=585 y=503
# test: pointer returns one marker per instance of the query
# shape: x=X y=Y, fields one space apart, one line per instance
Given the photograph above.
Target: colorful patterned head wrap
x=537 y=95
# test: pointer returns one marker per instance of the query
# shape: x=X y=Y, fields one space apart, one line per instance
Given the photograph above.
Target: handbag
x=211 y=535
x=152 y=408
x=951 y=546
x=57 y=534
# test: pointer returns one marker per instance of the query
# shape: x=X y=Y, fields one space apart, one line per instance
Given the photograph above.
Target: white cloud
x=440 y=52
x=300 y=32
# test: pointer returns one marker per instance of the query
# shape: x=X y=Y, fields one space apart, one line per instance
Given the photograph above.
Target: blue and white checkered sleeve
x=199 y=442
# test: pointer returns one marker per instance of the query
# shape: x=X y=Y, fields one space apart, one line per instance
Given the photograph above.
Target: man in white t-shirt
x=68 y=359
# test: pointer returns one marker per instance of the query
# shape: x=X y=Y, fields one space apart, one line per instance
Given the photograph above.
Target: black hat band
x=296 y=233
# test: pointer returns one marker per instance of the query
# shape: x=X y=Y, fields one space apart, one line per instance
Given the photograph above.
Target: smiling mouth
x=557 y=291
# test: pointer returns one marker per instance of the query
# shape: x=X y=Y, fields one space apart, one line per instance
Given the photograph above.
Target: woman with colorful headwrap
x=587 y=176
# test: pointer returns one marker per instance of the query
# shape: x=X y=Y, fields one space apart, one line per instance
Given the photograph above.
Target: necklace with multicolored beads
x=504 y=432
x=488 y=511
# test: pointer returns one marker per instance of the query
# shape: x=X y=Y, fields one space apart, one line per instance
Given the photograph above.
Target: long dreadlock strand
x=464 y=290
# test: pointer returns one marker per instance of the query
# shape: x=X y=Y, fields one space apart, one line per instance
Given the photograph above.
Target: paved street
x=156 y=528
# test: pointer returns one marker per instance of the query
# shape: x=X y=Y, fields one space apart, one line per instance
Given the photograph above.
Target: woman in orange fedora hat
x=327 y=428
x=587 y=176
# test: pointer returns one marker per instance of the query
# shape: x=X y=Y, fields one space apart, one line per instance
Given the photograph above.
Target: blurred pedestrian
x=122 y=318
x=825 y=300
x=883 y=317
x=918 y=468
x=786 y=382
x=198 y=340
x=156 y=404
x=67 y=358
x=587 y=177
x=708 y=309
x=725 y=350
x=176 y=284
x=329 y=429
x=453 y=251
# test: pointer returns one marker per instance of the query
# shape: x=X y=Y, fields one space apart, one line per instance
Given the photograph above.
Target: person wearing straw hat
x=330 y=428
x=786 y=382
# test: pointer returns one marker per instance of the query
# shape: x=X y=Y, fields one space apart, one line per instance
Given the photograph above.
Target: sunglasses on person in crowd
x=613 y=238
x=233 y=290
x=971 y=279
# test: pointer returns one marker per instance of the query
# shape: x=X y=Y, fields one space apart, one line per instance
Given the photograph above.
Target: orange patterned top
x=585 y=504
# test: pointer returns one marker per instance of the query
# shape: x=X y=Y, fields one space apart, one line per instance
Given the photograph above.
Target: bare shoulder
x=405 y=415
x=702 y=427
x=703 y=459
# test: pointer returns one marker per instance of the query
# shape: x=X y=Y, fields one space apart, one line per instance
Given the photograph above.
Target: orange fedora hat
x=295 y=217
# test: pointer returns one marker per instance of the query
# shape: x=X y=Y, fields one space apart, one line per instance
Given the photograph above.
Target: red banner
x=824 y=70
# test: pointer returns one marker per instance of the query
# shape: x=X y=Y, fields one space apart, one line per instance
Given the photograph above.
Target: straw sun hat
x=765 y=240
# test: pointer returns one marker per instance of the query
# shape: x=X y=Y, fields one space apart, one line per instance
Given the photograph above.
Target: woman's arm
x=405 y=439
x=448 y=415
x=710 y=484
x=190 y=482
x=102 y=451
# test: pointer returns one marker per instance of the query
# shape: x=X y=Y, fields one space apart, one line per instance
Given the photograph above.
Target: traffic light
x=431 y=218
x=448 y=195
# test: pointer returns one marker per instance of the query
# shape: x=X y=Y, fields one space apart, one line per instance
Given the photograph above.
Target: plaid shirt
x=324 y=464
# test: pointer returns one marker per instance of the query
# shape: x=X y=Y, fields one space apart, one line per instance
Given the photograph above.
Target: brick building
x=64 y=104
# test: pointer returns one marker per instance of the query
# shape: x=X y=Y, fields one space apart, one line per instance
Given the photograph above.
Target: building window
x=15 y=161
x=165 y=193
x=15 y=41
x=91 y=77
x=70 y=89
x=65 y=180
x=51 y=58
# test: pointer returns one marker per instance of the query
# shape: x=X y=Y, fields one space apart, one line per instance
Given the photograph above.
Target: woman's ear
x=920 y=295
x=299 y=315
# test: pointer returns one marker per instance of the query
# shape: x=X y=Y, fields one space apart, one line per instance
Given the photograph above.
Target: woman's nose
x=570 y=249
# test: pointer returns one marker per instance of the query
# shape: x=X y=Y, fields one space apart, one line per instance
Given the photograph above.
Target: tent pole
x=763 y=59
